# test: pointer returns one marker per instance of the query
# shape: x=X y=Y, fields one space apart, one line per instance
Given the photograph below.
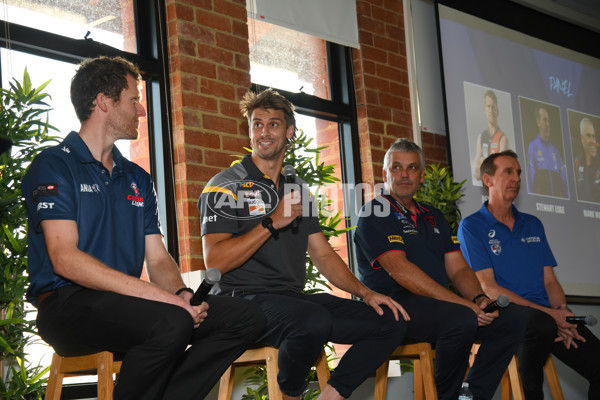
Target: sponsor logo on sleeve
x=44 y=190
x=42 y=205
x=454 y=240
x=395 y=239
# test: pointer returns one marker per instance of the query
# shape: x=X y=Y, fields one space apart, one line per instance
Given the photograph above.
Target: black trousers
x=452 y=329
x=300 y=324
x=539 y=343
x=152 y=337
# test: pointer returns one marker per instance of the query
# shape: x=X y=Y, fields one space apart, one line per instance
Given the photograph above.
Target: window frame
x=341 y=109
x=151 y=58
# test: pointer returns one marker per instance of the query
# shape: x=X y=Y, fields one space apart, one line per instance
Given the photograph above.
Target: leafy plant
x=23 y=120
x=305 y=159
x=441 y=191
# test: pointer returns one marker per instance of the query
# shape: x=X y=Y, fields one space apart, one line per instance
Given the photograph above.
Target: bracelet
x=479 y=296
x=184 y=289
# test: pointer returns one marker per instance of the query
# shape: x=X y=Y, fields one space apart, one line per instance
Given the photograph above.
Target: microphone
x=289 y=176
x=587 y=320
x=501 y=302
x=211 y=277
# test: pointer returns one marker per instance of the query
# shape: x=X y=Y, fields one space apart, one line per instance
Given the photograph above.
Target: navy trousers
x=452 y=329
x=539 y=343
x=300 y=324
x=152 y=338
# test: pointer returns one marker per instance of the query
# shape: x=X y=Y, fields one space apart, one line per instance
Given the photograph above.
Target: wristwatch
x=267 y=222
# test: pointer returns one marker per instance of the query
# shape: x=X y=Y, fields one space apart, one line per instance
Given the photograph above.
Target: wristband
x=184 y=289
x=268 y=223
x=479 y=296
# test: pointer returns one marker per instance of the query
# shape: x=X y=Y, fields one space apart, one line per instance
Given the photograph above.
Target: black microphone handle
x=201 y=293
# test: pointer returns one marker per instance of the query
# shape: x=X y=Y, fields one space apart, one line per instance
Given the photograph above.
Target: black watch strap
x=184 y=289
x=267 y=222
x=480 y=295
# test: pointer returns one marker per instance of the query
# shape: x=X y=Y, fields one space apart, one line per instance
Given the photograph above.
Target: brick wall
x=382 y=91
x=209 y=72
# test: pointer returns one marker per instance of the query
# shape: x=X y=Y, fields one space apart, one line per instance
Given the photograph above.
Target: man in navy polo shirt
x=93 y=221
x=406 y=249
x=509 y=252
x=258 y=236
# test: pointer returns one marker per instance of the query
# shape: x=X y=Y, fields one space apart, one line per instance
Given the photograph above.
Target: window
x=103 y=21
x=316 y=76
x=47 y=37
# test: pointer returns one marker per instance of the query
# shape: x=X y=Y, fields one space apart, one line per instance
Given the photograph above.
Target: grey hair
x=403 y=145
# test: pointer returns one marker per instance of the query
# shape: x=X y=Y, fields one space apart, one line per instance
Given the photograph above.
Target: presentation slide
x=507 y=90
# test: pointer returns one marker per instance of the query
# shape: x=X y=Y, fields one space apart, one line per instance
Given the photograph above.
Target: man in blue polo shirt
x=406 y=249
x=509 y=252
x=93 y=222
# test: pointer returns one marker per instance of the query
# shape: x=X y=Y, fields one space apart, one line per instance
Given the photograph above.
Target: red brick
x=233 y=43
x=213 y=20
x=217 y=89
x=230 y=108
x=183 y=12
x=371 y=25
x=373 y=54
x=197 y=67
x=215 y=54
x=219 y=124
x=195 y=32
x=200 y=102
x=236 y=11
x=219 y=159
x=236 y=144
x=233 y=76
x=202 y=173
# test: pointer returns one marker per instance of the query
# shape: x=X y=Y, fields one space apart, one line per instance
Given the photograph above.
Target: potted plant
x=23 y=120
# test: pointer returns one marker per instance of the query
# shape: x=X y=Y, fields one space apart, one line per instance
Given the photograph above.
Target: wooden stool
x=101 y=364
x=511 y=380
x=422 y=356
x=267 y=356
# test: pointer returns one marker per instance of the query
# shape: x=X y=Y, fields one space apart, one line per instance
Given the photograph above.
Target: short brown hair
x=488 y=166
x=269 y=99
x=106 y=75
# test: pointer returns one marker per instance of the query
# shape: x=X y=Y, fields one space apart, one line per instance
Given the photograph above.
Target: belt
x=43 y=296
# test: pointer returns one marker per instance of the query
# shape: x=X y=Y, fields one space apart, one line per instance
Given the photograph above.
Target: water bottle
x=465 y=392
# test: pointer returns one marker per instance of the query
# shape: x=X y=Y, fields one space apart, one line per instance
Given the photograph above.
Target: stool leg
x=104 y=368
x=272 y=372
x=515 y=379
x=428 y=380
x=322 y=370
x=226 y=384
x=381 y=380
x=505 y=387
x=553 y=381
x=54 y=386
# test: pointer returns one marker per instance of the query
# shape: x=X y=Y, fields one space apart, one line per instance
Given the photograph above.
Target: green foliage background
x=24 y=120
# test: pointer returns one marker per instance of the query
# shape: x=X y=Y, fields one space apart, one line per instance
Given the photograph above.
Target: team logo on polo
x=136 y=199
x=495 y=246
x=241 y=199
